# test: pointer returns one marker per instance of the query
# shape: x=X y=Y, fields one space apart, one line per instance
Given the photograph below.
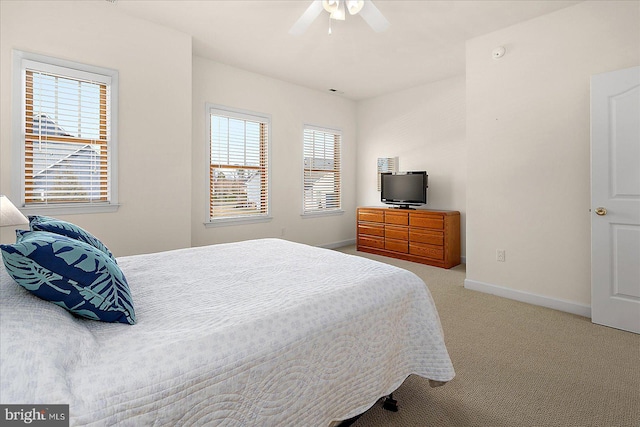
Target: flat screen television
x=404 y=189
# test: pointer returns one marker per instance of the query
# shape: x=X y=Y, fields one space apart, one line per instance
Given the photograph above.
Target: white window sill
x=322 y=213
x=72 y=209
x=236 y=221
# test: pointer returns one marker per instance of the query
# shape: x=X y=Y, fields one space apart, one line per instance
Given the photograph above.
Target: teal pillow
x=64 y=228
x=71 y=274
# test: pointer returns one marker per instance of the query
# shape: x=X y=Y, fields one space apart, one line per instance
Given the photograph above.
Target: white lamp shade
x=339 y=14
x=330 y=5
x=9 y=214
x=354 y=6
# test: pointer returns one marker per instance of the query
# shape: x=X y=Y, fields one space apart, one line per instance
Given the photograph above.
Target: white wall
x=425 y=128
x=290 y=107
x=528 y=182
x=154 y=65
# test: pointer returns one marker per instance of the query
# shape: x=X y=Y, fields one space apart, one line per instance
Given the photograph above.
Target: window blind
x=238 y=171
x=321 y=180
x=386 y=164
x=66 y=143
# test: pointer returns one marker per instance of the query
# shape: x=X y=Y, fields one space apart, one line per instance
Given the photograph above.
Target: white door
x=615 y=199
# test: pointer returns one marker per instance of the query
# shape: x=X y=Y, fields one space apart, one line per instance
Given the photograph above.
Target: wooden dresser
x=420 y=235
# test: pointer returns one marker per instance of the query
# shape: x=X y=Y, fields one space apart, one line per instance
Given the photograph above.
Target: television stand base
x=407 y=207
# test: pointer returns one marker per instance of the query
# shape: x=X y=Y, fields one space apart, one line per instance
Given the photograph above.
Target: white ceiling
x=425 y=42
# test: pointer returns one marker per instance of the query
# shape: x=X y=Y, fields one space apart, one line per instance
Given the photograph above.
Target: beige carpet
x=517 y=365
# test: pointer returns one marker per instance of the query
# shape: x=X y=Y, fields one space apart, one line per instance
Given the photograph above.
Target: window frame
x=240 y=114
x=324 y=212
x=73 y=70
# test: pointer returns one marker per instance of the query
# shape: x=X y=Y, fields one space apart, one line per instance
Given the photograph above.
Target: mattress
x=256 y=333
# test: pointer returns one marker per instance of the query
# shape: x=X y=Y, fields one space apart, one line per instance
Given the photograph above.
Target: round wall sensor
x=498 y=52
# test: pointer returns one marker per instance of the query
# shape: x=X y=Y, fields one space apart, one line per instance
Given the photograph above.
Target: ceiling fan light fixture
x=339 y=14
x=354 y=6
x=330 y=5
x=337 y=10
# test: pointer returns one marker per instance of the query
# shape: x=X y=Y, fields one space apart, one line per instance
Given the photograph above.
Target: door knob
x=601 y=211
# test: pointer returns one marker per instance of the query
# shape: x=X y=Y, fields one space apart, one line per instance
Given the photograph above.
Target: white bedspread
x=258 y=333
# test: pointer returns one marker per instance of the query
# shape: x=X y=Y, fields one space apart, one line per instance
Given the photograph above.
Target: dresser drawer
x=371 y=242
x=394 y=232
x=428 y=251
x=371 y=229
x=427 y=221
x=370 y=215
x=394 y=217
x=396 y=245
x=426 y=236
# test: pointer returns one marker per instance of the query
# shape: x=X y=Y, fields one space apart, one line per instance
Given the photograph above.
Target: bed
x=257 y=333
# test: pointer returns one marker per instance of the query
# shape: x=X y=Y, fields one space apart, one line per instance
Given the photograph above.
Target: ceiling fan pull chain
x=329 y=24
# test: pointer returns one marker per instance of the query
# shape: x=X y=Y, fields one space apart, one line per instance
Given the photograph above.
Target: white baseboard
x=529 y=298
x=336 y=245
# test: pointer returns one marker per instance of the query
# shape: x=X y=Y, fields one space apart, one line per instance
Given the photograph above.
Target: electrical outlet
x=500 y=255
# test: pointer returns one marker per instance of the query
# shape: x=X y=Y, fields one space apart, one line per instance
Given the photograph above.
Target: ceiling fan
x=337 y=10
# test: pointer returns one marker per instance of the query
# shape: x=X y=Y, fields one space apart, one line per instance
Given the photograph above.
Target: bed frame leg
x=390 y=404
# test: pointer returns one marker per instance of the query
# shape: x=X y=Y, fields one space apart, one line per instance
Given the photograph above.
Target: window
x=321 y=170
x=386 y=164
x=67 y=138
x=238 y=165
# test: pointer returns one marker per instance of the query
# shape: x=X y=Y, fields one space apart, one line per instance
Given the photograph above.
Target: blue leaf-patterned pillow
x=64 y=228
x=71 y=274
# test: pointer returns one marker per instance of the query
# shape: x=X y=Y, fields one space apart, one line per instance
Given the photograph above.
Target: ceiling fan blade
x=374 y=17
x=307 y=18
